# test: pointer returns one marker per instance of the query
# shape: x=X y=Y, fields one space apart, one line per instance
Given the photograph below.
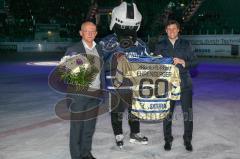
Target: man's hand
x=178 y=61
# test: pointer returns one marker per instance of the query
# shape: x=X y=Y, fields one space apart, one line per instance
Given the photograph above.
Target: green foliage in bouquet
x=83 y=78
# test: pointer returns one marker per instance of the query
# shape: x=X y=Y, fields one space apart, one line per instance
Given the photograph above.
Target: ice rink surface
x=29 y=128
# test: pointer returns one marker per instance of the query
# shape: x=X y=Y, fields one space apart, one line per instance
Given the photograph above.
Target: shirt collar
x=86 y=46
x=177 y=40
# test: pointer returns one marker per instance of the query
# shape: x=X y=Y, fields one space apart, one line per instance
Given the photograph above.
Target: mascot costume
x=125 y=22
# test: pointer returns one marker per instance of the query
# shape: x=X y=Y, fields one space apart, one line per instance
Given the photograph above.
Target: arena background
x=34 y=34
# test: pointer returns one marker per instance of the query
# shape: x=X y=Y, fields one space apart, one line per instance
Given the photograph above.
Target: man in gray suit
x=81 y=131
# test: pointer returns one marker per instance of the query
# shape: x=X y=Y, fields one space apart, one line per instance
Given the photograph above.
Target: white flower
x=64 y=59
x=86 y=65
x=77 y=69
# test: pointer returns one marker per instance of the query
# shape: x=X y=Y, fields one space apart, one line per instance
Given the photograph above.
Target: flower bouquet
x=78 y=70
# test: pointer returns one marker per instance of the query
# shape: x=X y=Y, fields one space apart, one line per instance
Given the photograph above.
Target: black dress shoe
x=188 y=145
x=167 y=146
x=89 y=156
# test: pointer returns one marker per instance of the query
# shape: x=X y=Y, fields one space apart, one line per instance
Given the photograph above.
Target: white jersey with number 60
x=155 y=81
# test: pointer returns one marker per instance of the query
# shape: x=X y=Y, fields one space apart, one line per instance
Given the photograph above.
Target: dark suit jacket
x=182 y=49
x=79 y=48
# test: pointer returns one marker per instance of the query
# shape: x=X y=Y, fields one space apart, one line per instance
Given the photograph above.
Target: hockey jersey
x=111 y=47
x=155 y=81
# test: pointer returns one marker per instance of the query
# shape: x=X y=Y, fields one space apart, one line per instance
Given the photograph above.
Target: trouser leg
x=116 y=121
x=87 y=136
x=133 y=122
x=167 y=124
x=186 y=103
x=76 y=128
x=81 y=131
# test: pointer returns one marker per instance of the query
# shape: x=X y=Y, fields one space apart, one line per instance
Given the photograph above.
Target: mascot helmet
x=125 y=22
x=126 y=14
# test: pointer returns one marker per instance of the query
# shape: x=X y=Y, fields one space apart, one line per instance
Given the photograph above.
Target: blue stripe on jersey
x=152 y=60
x=151 y=100
x=176 y=94
x=151 y=111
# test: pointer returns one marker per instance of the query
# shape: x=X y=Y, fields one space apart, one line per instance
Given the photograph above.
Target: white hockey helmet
x=126 y=15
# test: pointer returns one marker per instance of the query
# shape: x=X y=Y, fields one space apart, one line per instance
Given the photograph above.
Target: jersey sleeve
x=122 y=71
x=175 y=84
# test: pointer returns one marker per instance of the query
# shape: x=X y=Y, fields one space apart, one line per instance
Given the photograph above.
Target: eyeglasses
x=87 y=31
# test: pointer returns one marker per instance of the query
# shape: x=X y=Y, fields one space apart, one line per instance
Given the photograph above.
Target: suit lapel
x=82 y=48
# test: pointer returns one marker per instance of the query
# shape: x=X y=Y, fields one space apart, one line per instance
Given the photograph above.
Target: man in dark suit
x=183 y=57
x=81 y=131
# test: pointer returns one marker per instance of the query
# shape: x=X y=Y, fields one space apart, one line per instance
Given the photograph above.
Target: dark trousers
x=117 y=115
x=81 y=132
x=186 y=104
